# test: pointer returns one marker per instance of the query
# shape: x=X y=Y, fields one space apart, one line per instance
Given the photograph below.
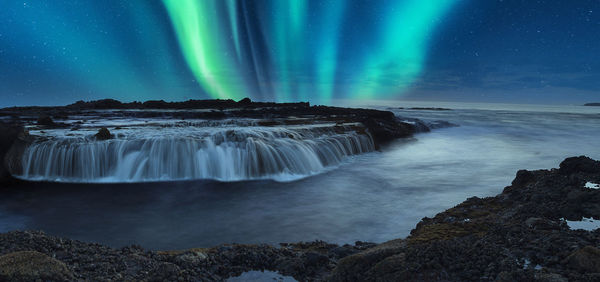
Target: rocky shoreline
x=520 y=234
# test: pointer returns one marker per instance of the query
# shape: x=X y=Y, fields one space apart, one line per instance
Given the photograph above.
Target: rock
x=103 y=134
x=550 y=277
x=45 y=121
x=315 y=259
x=10 y=134
x=245 y=101
x=579 y=164
x=522 y=178
x=356 y=267
x=164 y=272
x=32 y=266
x=586 y=259
x=387 y=127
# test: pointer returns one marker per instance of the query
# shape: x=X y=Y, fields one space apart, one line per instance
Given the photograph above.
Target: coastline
x=520 y=234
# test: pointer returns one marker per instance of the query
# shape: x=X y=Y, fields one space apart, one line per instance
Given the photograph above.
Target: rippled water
x=371 y=197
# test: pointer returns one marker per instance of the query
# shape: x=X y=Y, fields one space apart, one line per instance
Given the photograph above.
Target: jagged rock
x=32 y=266
x=579 y=164
x=515 y=236
x=522 y=178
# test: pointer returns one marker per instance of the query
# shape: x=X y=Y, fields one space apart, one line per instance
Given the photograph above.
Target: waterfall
x=225 y=154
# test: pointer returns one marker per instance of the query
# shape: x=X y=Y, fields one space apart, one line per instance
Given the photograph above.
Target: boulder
x=45 y=121
x=579 y=164
x=32 y=266
x=103 y=134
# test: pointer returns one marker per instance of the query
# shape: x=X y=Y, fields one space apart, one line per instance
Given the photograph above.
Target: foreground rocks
x=518 y=235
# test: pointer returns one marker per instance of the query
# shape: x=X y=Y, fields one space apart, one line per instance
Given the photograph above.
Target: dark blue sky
x=522 y=51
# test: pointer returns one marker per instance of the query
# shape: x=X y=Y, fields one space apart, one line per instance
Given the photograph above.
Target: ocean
x=374 y=196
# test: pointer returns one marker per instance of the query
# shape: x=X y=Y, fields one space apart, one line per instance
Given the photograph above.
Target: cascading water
x=226 y=153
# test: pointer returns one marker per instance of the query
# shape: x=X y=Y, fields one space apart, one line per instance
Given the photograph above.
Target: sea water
x=374 y=196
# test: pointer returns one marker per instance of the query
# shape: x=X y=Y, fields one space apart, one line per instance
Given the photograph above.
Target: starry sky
x=520 y=51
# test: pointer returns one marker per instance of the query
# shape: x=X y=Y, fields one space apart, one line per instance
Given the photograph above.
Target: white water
x=591 y=185
x=192 y=151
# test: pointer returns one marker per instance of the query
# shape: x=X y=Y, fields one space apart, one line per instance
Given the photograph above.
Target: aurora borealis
x=56 y=52
x=297 y=49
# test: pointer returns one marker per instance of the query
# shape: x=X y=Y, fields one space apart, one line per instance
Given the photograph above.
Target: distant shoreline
x=592 y=104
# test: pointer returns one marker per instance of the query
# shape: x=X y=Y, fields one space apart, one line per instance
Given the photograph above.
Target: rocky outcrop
x=518 y=235
x=51 y=258
x=11 y=133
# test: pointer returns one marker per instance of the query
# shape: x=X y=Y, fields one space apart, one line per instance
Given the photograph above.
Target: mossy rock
x=446 y=231
x=357 y=267
x=32 y=266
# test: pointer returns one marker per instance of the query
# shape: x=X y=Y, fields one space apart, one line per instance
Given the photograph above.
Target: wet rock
x=387 y=127
x=45 y=121
x=586 y=259
x=10 y=134
x=32 y=266
x=103 y=134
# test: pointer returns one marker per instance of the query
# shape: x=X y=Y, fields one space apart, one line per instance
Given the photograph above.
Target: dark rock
x=387 y=128
x=10 y=134
x=45 y=121
x=103 y=134
x=32 y=266
x=586 y=259
x=515 y=236
x=522 y=178
x=579 y=164
x=245 y=101
x=315 y=259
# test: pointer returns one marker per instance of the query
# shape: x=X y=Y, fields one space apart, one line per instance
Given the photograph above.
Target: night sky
x=522 y=51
